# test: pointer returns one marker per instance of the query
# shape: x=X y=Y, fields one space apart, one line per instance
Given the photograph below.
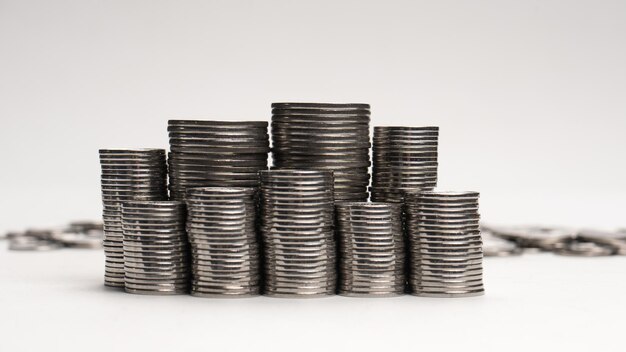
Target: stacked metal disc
x=222 y=229
x=371 y=249
x=156 y=250
x=297 y=215
x=405 y=159
x=216 y=154
x=127 y=175
x=445 y=244
x=325 y=137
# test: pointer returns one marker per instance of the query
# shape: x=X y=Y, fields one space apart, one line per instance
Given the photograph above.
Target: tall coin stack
x=216 y=154
x=405 y=158
x=297 y=215
x=156 y=250
x=127 y=175
x=222 y=229
x=325 y=137
x=371 y=247
x=445 y=244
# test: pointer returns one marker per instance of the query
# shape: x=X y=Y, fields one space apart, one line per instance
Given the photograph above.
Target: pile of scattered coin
x=332 y=137
x=79 y=234
x=563 y=241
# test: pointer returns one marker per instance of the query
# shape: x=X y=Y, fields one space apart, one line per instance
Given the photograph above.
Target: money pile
x=371 y=249
x=563 y=240
x=494 y=246
x=127 y=175
x=79 y=234
x=445 y=244
x=221 y=225
x=156 y=251
x=325 y=137
x=215 y=154
x=297 y=213
x=405 y=159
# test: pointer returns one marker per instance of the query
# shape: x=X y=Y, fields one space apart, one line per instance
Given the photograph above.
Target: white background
x=530 y=97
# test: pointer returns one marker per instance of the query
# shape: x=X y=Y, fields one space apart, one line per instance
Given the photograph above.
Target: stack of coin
x=445 y=244
x=297 y=215
x=405 y=159
x=321 y=136
x=127 y=175
x=371 y=249
x=216 y=154
x=221 y=224
x=156 y=250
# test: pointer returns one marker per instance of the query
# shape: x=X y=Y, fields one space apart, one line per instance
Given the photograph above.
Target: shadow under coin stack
x=445 y=244
x=221 y=225
x=405 y=159
x=216 y=154
x=127 y=175
x=156 y=251
x=297 y=216
x=325 y=137
x=371 y=243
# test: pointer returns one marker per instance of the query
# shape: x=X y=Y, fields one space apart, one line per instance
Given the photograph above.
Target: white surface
x=529 y=94
x=55 y=301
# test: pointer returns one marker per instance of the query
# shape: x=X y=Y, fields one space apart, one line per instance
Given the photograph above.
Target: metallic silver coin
x=156 y=256
x=404 y=157
x=221 y=266
x=128 y=175
x=445 y=244
x=306 y=136
x=297 y=231
x=176 y=291
x=304 y=105
x=494 y=246
x=211 y=153
x=582 y=248
x=29 y=243
x=81 y=239
x=238 y=125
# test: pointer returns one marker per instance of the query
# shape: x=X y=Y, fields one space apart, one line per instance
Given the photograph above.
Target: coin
x=155 y=251
x=224 y=240
x=215 y=154
x=445 y=244
x=127 y=174
x=325 y=136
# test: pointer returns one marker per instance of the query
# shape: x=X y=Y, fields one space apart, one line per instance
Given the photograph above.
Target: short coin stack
x=156 y=251
x=221 y=225
x=216 y=154
x=371 y=247
x=127 y=175
x=297 y=212
x=405 y=158
x=325 y=137
x=445 y=244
